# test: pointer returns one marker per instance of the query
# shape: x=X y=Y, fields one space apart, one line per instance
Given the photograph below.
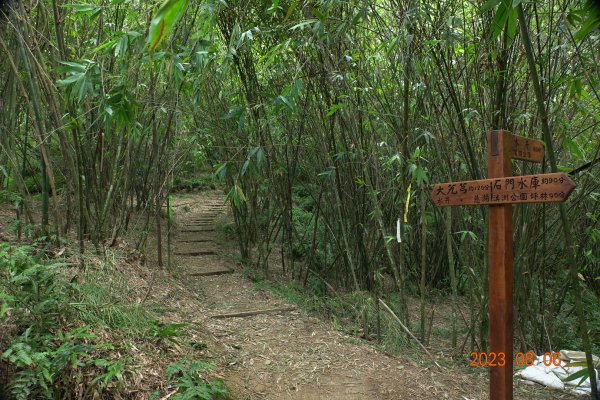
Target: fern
x=19 y=354
x=114 y=372
x=46 y=361
x=167 y=332
x=190 y=384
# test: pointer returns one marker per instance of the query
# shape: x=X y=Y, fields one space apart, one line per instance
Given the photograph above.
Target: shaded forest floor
x=289 y=354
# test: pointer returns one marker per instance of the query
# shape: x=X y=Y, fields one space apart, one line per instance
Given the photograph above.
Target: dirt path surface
x=281 y=355
x=287 y=354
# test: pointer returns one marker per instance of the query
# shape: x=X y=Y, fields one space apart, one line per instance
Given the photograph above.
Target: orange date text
x=521 y=359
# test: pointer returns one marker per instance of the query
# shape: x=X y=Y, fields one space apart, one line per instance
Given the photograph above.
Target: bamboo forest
x=299 y=199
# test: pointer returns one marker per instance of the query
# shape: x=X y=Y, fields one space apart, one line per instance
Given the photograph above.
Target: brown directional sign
x=543 y=188
x=526 y=149
x=500 y=191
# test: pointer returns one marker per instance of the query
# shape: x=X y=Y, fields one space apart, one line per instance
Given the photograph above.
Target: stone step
x=211 y=273
x=195 y=240
x=205 y=266
x=197 y=225
x=195 y=253
x=194 y=236
x=196 y=230
x=202 y=245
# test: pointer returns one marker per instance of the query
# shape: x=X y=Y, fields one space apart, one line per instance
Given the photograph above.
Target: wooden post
x=500 y=191
x=500 y=264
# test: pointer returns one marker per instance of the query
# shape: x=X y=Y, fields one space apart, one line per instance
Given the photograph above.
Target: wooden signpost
x=499 y=192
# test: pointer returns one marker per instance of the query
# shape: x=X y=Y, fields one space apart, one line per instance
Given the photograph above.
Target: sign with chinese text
x=543 y=188
x=526 y=149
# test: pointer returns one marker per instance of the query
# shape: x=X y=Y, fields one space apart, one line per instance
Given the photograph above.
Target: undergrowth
x=354 y=313
x=65 y=339
x=195 y=183
x=188 y=376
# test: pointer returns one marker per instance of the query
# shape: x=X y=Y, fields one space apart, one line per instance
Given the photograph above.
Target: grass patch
x=105 y=304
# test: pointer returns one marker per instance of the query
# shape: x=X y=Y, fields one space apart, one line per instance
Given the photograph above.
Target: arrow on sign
x=543 y=188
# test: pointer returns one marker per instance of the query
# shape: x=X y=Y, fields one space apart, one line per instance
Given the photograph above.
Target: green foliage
x=10 y=197
x=303 y=218
x=50 y=357
x=505 y=17
x=168 y=13
x=197 y=183
x=563 y=326
x=113 y=372
x=47 y=357
x=99 y=300
x=82 y=77
x=187 y=377
x=589 y=16
x=236 y=196
x=32 y=184
x=350 y=102
x=167 y=332
x=83 y=9
x=303 y=223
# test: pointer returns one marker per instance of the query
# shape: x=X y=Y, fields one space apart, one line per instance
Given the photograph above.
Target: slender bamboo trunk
x=566 y=224
x=453 y=281
x=422 y=283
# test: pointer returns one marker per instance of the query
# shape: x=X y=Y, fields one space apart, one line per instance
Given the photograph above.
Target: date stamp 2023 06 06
x=521 y=359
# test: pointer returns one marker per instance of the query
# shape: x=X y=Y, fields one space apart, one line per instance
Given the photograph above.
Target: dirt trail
x=286 y=355
x=290 y=354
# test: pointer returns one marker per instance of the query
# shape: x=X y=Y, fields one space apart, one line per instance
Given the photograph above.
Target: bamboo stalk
x=566 y=224
x=453 y=280
x=410 y=334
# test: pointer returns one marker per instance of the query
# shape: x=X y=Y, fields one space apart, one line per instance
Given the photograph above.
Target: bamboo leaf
x=290 y=10
x=488 y=5
x=333 y=109
x=591 y=22
x=163 y=21
x=499 y=20
x=583 y=374
x=260 y=156
x=511 y=25
x=303 y=24
x=573 y=149
x=245 y=167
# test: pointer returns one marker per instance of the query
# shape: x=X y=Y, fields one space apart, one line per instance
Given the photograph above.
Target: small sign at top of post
x=526 y=149
x=500 y=191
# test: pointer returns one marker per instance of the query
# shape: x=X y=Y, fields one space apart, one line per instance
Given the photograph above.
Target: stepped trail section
x=272 y=350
